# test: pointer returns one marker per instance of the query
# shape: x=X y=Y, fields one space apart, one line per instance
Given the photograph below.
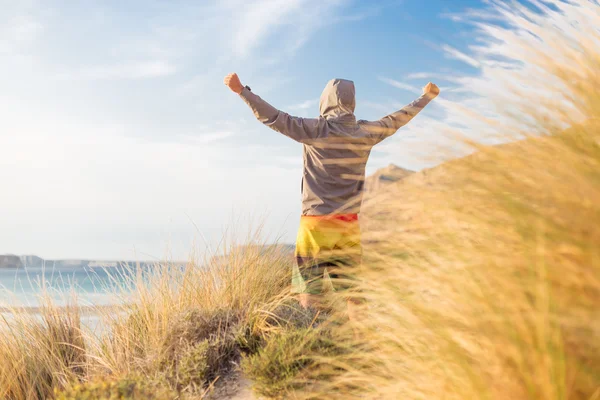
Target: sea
x=23 y=287
x=27 y=288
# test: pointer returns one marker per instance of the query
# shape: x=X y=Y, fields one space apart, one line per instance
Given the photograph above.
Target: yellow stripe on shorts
x=325 y=247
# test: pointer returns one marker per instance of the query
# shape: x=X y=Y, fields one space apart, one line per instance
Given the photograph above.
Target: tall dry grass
x=482 y=278
x=175 y=333
x=41 y=352
x=236 y=289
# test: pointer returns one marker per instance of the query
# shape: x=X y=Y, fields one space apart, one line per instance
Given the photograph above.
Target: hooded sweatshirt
x=336 y=145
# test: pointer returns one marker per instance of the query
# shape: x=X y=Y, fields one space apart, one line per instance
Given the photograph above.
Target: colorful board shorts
x=327 y=250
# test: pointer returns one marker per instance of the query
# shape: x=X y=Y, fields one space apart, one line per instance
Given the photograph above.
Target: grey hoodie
x=336 y=145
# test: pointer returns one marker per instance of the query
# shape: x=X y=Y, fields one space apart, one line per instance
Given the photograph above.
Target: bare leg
x=308 y=300
x=304 y=299
x=356 y=316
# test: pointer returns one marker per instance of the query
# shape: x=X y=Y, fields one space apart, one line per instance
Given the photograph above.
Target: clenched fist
x=431 y=88
x=233 y=82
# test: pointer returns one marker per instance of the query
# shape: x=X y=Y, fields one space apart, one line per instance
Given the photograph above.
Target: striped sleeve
x=390 y=124
x=299 y=129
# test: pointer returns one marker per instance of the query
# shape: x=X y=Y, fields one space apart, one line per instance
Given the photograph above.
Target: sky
x=118 y=139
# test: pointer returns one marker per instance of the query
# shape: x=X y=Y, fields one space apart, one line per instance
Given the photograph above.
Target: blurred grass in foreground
x=482 y=279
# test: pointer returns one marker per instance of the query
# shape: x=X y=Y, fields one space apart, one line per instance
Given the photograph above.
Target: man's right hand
x=432 y=89
x=233 y=82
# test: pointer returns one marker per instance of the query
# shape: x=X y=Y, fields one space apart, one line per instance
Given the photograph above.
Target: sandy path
x=244 y=391
x=233 y=387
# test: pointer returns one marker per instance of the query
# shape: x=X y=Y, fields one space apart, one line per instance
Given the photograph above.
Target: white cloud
x=19 y=27
x=24 y=29
x=433 y=76
x=401 y=85
x=459 y=55
x=305 y=105
x=372 y=10
x=136 y=70
x=206 y=138
x=470 y=15
x=294 y=20
x=420 y=75
x=257 y=20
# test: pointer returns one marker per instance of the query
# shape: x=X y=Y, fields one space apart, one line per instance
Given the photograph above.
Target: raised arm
x=390 y=124
x=300 y=129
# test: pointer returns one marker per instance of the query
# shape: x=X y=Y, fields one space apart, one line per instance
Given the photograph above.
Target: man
x=336 y=150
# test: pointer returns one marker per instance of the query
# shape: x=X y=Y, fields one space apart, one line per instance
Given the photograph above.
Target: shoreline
x=83 y=310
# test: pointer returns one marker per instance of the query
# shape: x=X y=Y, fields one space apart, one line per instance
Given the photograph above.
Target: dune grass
x=177 y=333
x=37 y=355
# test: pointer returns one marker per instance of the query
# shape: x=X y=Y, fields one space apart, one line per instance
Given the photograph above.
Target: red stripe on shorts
x=338 y=217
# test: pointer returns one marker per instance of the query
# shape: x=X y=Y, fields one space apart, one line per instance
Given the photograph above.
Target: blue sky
x=118 y=138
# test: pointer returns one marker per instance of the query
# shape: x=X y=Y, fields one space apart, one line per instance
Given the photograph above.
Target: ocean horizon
x=25 y=287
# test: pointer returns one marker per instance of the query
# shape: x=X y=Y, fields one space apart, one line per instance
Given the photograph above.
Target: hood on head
x=338 y=101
